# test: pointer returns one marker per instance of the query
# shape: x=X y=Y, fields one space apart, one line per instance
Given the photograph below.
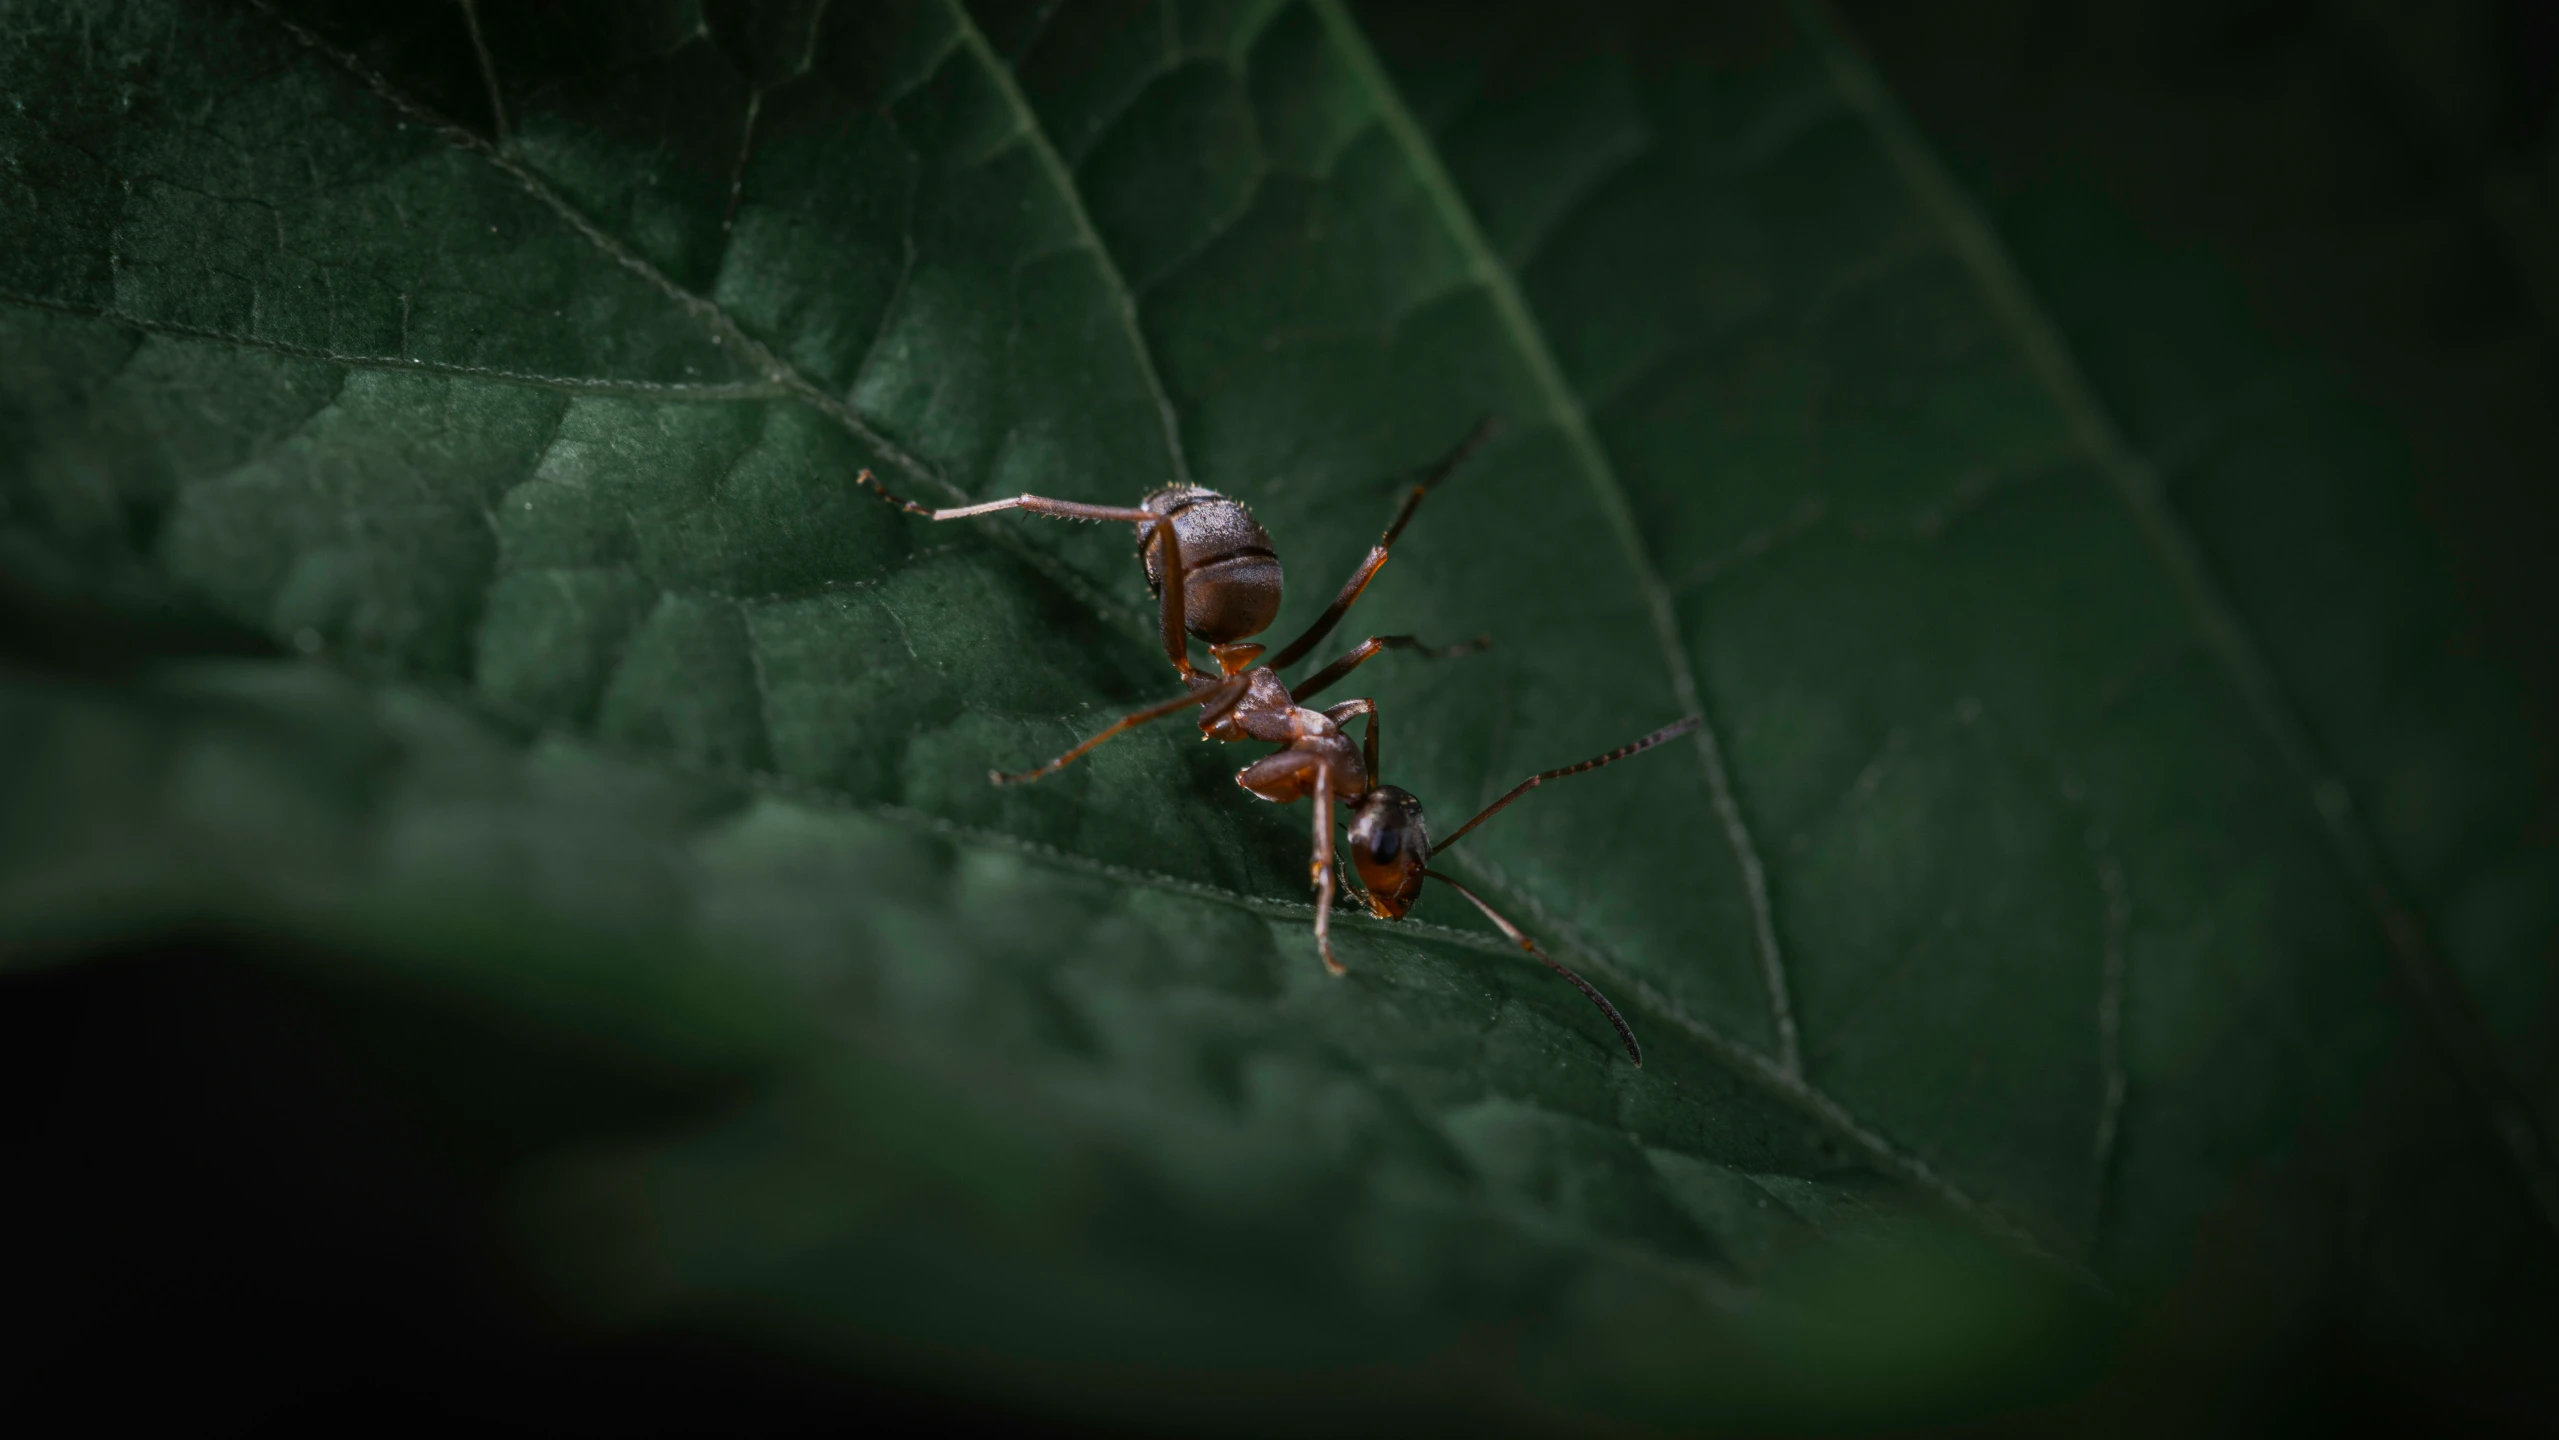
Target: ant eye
x=1389 y=843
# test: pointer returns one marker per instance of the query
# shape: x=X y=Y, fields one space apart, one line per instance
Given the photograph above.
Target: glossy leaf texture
x=487 y=381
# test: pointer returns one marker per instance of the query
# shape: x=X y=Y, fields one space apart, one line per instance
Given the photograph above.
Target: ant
x=1223 y=585
x=1391 y=849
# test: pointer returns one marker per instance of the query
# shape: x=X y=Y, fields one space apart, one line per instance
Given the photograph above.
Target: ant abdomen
x=1230 y=577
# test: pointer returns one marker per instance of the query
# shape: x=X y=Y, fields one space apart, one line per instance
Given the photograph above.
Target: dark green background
x=504 y=913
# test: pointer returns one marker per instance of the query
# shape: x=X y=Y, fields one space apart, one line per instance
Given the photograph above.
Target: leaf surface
x=514 y=362
x=1980 y=670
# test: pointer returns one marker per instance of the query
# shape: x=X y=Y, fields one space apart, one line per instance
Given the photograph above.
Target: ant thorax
x=1265 y=711
x=1293 y=774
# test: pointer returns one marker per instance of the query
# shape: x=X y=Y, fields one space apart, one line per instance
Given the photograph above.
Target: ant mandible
x=1224 y=587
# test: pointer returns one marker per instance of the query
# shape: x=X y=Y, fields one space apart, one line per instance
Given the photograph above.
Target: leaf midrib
x=1566 y=410
x=1782 y=1075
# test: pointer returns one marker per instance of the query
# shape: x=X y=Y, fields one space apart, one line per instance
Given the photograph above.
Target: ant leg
x=1332 y=674
x=1223 y=692
x=1350 y=709
x=1176 y=647
x=1520 y=938
x=1323 y=798
x=1671 y=731
x=1296 y=649
x=1222 y=702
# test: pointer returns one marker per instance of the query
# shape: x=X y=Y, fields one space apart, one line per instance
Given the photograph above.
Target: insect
x=1391 y=850
x=1215 y=575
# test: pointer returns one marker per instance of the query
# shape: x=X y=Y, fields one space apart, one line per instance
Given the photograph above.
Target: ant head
x=1389 y=847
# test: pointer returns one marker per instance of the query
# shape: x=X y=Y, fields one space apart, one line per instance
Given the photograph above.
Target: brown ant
x=1391 y=848
x=1225 y=587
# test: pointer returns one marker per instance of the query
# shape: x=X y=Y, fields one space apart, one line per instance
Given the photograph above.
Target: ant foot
x=1334 y=967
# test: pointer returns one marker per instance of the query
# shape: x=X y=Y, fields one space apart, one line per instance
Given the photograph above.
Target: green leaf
x=1979 y=665
x=510 y=365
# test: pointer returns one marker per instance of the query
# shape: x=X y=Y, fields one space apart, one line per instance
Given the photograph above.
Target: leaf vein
x=717 y=321
x=1597 y=470
x=2046 y=352
x=2110 y=1025
x=704 y=312
x=569 y=384
x=1047 y=158
x=1788 y=1084
x=1619 y=155
x=488 y=70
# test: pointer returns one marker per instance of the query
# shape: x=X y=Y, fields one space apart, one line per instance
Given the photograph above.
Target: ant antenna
x=1520 y=938
x=1671 y=731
